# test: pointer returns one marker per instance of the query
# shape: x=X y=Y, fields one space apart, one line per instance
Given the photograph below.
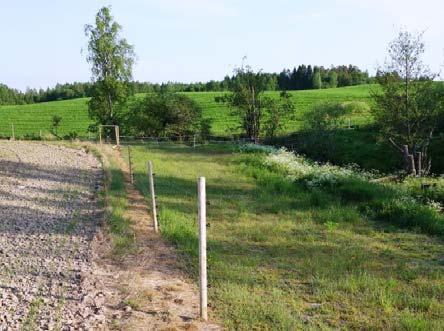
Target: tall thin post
x=203 y=249
x=194 y=141
x=419 y=165
x=130 y=165
x=13 y=131
x=117 y=131
x=153 y=195
x=100 y=134
x=412 y=164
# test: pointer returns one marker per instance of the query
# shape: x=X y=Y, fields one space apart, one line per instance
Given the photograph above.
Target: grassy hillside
x=30 y=119
x=284 y=256
x=223 y=120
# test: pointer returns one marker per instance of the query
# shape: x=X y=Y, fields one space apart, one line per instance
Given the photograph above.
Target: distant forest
x=301 y=78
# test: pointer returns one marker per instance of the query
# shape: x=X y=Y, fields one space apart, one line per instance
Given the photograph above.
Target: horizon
x=281 y=35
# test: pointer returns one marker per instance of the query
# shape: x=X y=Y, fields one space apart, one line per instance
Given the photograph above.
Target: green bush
x=326 y=116
x=165 y=114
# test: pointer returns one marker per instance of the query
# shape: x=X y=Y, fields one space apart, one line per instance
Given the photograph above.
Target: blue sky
x=199 y=40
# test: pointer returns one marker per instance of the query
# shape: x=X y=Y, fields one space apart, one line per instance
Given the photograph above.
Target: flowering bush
x=416 y=203
x=315 y=175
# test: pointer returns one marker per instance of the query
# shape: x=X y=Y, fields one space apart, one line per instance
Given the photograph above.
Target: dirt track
x=57 y=267
x=49 y=216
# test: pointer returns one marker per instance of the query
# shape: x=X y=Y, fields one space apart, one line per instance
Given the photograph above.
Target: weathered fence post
x=13 y=131
x=419 y=165
x=100 y=134
x=194 y=141
x=412 y=164
x=203 y=249
x=130 y=165
x=153 y=196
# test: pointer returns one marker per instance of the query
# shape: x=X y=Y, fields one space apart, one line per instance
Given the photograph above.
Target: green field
x=283 y=256
x=30 y=119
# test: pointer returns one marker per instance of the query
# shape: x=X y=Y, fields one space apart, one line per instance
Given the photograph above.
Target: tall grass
x=397 y=204
x=115 y=200
x=284 y=255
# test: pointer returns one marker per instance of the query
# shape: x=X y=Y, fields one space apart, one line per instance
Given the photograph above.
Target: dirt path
x=48 y=218
x=57 y=270
x=147 y=290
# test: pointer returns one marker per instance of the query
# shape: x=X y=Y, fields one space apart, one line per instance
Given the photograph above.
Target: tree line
x=301 y=78
x=9 y=96
x=307 y=77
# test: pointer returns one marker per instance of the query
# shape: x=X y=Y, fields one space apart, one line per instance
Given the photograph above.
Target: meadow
x=288 y=251
x=31 y=119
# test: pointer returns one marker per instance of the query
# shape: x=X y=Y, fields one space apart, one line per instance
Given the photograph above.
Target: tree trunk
x=419 y=164
x=409 y=161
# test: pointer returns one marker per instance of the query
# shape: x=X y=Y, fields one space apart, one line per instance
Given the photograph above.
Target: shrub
x=314 y=174
x=165 y=114
x=327 y=115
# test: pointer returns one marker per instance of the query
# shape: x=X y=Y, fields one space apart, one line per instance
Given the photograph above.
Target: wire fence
x=290 y=142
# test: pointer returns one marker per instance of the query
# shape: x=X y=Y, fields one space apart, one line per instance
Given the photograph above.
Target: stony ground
x=48 y=218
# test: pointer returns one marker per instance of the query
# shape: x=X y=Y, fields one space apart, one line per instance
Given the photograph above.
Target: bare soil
x=48 y=218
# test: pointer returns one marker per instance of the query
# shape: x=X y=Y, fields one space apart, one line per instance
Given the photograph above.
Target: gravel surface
x=49 y=214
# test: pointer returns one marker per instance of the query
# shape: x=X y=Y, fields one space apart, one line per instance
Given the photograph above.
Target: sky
x=200 y=40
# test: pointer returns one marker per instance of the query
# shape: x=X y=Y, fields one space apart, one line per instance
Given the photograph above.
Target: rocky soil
x=49 y=214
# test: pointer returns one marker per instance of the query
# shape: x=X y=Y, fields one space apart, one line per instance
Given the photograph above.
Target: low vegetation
x=164 y=115
x=28 y=120
x=115 y=200
x=350 y=255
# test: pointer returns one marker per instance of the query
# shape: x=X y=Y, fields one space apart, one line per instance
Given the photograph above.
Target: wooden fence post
x=13 y=131
x=130 y=165
x=153 y=196
x=419 y=165
x=203 y=249
x=100 y=134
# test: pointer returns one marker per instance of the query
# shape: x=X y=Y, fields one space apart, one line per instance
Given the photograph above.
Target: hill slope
x=30 y=119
